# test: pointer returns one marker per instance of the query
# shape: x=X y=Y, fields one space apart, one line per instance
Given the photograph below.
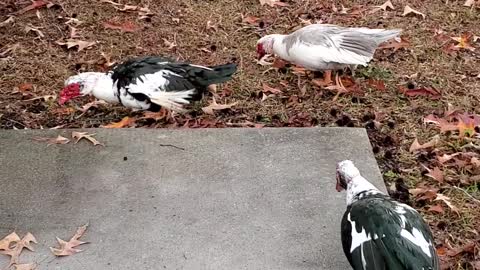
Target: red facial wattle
x=68 y=92
x=260 y=51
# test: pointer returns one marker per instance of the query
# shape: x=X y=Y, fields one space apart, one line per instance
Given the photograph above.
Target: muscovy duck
x=380 y=233
x=148 y=83
x=325 y=47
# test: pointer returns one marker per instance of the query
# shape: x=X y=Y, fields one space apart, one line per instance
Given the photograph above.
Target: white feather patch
x=358 y=238
x=416 y=237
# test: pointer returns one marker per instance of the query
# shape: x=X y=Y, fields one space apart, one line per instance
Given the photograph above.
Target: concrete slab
x=182 y=199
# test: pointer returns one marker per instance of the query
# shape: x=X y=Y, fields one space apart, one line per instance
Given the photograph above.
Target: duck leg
x=327 y=79
x=339 y=87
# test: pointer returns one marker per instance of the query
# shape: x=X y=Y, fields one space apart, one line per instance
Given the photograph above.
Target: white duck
x=325 y=47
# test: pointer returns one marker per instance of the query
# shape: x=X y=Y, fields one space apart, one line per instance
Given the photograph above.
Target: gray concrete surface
x=221 y=199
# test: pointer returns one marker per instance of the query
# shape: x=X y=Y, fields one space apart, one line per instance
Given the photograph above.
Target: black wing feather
x=390 y=250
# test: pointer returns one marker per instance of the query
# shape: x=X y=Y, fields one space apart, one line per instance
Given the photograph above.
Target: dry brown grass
x=46 y=65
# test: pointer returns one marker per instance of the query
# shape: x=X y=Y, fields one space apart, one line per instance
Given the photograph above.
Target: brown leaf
x=154 y=115
x=436 y=174
x=25 y=266
x=80 y=135
x=17 y=249
x=7 y=241
x=436 y=208
x=417 y=146
x=446 y=200
x=36 y=4
x=251 y=19
x=25 y=87
x=440 y=122
x=125 y=122
x=394 y=44
x=29 y=28
x=468 y=248
x=387 y=5
x=427 y=193
x=68 y=248
x=73 y=43
x=126 y=26
x=58 y=140
x=469 y=3
x=466 y=126
x=446 y=157
x=424 y=91
x=268 y=89
x=376 y=84
x=463 y=43
x=94 y=104
x=214 y=106
x=408 y=10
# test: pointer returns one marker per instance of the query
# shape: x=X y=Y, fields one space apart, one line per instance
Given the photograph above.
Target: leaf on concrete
x=214 y=106
x=58 y=140
x=15 y=251
x=68 y=248
x=125 y=122
x=81 y=44
x=126 y=26
x=84 y=135
x=408 y=10
x=417 y=146
x=9 y=240
x=446 y=200
x=436 y=174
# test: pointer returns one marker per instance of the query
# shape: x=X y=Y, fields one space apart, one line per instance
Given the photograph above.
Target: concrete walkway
x=182 y=199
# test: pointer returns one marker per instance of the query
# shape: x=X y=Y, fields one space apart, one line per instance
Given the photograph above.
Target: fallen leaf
x=469 y=3
x=154 y=115
x=68 y=248
x=25 y=87
x=125 y=122
x=29 y=28
x=426 y=193
x=387 y=5
x=251 y=19
x=7 y=241
x=36 y=4
x=446 y=200
x=214 y=106
x=126 y=26
x=445 y=158
x=268 y=89
x=16 y=250
x=273 y=3
x=80 y=135
x=424 y=91
x=463 y=43
x=25 y=266
x=7 y=21
x=466 y=126
x=170 y=45
x=436 y=208
x=440 y=122
x=408 y=10
x=58 y=140
x=73 y=43
x=94 y=104
x=436 y=174
x=376 y=84
x=417 y=146
x=396 y=45
x=467 y=248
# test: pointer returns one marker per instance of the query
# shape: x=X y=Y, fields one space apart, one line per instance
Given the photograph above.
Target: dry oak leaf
x=417 y=146
x=436 y=174
x=268 y=89
x=387 y=5
x=68 y=248
x=36 y=4
x=396 y=45
x=16 y=250
x=73 y=43
x=463 y=43
x=7 y=241
x=436 y=208
x=58 y=140
x=80 y=135
x=446 y=200
x=214 y=106
x=125 y=122
x=251 y=19
x=408 y=10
